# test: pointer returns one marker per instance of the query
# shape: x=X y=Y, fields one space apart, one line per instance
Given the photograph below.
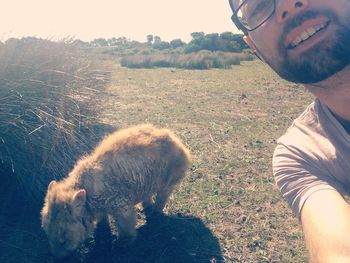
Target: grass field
x=228 y=208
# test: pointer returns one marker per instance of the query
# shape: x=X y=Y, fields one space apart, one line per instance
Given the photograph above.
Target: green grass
x=228 y=207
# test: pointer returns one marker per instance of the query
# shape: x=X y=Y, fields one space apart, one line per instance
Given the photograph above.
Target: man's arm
x=325 y=218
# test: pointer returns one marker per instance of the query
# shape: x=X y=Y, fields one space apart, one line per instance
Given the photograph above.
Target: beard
x=323 y=60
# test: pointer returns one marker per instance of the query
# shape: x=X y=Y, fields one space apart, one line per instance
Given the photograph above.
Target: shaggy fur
x=128 y=167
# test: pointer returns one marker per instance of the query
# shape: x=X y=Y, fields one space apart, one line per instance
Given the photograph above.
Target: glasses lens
x=255 y=12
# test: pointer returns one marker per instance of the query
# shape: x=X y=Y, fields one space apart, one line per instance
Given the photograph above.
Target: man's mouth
x=296 y=38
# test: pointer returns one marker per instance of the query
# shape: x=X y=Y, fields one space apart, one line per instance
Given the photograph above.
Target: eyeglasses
x=251 y=14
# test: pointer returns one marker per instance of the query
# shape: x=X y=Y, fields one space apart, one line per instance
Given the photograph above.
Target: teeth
x=304 y=35
x=320 y=27
x=311 y=31
x=307 y=34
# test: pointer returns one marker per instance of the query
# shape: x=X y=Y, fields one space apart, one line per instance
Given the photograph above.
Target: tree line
x=226 y=42
x=204 y=51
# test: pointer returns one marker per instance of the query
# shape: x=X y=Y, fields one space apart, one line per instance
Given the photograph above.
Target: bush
x=49 y=95
x=198 y=60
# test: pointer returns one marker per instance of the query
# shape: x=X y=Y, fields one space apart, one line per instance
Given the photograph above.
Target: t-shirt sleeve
x=297 y=177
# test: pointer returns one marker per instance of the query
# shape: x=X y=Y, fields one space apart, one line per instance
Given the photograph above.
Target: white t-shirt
x=313 y=155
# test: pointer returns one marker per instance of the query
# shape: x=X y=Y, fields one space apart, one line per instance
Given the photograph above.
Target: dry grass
x=230 y=119
x=49 y=92
x=49 y=116
x=228 y=208
x=198 y=60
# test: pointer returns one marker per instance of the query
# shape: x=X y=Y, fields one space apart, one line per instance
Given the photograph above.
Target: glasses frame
x=238 y=23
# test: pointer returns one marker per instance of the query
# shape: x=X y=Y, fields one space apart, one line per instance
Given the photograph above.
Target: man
x=308 y=42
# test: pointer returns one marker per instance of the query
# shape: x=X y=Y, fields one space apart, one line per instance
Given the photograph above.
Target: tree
x=121 y=41
x=191 y=47
x=197 y=35
x=226 y=41
x=150 y=39
x=176 y=43
x=239 y=39
x=161 y=45
x=227 y=36
x=80 y=43
x=233 y=46
x=212 y=42
x=157 y=39
x=197 y=38
x=112 y=41
x=99 y=42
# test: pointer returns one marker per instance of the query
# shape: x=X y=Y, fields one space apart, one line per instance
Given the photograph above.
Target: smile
x=307 y=34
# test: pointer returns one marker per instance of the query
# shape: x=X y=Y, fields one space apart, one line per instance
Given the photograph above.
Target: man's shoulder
x=314 y=135
x=302 y=127
x=305 y=158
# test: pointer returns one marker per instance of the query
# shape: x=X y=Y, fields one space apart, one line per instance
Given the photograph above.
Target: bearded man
x=308 y=42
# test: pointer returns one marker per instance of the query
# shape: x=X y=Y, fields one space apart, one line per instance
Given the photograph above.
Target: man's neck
x=335 y=93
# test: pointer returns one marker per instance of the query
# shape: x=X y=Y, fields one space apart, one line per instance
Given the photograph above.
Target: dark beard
x=320 y=62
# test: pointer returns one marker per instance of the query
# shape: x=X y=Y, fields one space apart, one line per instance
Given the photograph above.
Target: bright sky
x=134 y=19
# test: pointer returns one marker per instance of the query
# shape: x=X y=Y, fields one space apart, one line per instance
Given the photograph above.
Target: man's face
x=305 y=41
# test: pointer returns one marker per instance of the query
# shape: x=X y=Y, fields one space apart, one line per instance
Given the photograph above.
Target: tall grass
x=199 y=60
x=49 y=95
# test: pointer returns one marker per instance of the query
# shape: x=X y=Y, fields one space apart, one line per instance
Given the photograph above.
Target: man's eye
x=258 y=8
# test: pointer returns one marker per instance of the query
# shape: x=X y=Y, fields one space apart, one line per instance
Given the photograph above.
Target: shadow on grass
x=168 y=238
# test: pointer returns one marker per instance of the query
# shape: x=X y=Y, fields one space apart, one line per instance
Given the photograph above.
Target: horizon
x=90 y=40
x=114 y=18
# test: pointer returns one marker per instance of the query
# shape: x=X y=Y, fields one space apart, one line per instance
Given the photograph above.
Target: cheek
x=343 y=8
x=269 y=57
x=266 y=41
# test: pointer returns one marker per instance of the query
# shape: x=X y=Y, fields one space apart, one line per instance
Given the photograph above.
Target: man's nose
x=286 y=9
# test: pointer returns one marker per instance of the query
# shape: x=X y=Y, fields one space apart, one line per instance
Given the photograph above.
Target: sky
x=134 y=19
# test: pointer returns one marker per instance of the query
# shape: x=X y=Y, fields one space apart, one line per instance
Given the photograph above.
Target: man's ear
x=252 y=46
x=249 y=42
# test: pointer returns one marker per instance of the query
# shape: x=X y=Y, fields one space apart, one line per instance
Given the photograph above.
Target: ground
x=228 y=208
